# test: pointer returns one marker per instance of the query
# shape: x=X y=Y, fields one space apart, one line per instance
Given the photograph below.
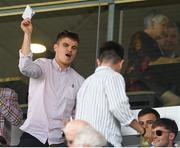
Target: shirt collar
x=99 y=68
x=58 y=68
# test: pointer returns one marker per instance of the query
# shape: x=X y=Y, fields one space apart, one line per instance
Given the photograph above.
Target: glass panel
x=152 y=69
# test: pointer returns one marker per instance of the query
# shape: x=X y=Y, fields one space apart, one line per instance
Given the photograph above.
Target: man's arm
x=26 y=65
x=119 y=103
x=9 y=106
x=26 y=26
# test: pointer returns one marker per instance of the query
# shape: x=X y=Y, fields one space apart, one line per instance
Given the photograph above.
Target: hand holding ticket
x=28 y=13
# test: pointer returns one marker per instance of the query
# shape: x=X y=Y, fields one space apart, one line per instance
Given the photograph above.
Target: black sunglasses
x=160 y=132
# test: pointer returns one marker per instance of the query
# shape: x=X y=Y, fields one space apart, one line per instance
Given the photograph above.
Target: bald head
x=72 y=128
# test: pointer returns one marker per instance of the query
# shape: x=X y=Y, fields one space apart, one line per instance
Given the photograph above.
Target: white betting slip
x=28 y=13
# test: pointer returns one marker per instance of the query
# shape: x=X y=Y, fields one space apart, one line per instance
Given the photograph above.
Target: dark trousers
x=28 y=140
x=109 y=145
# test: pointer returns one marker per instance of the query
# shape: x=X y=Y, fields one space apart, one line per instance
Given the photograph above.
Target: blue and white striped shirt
x=102 y=102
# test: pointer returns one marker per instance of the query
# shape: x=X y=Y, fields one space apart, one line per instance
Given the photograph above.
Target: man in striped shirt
x=10 y=113
x=102 y=100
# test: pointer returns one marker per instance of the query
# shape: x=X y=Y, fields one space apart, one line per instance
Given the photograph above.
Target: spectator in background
x=169 y=46
x=102 y=100
x=146 y=117
x=52 y=89
x=10 y=114
x=144 y=49
x=169 y=43
x=164 y=132
x=79 y=133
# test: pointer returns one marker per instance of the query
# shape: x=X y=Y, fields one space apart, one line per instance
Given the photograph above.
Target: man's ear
x=55 y=47
x=121 y=63
x=98 y=62
x=171 y=136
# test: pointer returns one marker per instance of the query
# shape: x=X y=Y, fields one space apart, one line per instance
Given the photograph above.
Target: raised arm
x=9 y=106
x=26 y=65
x=26 y=26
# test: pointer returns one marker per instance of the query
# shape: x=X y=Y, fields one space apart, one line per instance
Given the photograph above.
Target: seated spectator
x=10 y=114
x=144 y=49
x=71 y=129
x=81 y=133
x=169 y=43
x=146 y=117
x=164 y=131
x=89 y=137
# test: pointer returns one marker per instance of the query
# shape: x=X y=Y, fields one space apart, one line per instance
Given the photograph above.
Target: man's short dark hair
x=167 y=124
x=111 y=51
x=69 y=34
x=148 y=110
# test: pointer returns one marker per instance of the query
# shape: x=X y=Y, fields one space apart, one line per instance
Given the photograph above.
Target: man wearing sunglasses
x=146 y=117
x=164 y=131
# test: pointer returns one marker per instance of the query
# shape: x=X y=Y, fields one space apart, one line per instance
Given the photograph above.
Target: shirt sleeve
x=118 y=101
x=27 y=67
x=9 y=106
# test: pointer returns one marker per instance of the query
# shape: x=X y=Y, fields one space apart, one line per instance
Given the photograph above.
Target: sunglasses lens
x=159 y=133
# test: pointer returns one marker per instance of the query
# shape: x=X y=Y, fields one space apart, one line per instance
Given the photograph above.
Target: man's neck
x=150 y=33
x=62 y=66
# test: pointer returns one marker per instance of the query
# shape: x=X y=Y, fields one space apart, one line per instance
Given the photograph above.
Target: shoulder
x=8 y=92
x=76 y=75
x=115 y=77
x=43 y=60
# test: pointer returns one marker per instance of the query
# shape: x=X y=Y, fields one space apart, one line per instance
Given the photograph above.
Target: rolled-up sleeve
x=27 y=67
x=118 y=100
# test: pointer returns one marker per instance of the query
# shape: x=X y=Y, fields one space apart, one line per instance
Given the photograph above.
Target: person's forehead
x=148 y=116
x=67 y=39
x=159 y=128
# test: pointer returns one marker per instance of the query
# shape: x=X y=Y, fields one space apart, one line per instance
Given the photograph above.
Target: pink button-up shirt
x=51 y=99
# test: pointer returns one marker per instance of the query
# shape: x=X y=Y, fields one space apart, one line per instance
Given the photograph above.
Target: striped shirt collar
x=58 y=68
x=99 y=68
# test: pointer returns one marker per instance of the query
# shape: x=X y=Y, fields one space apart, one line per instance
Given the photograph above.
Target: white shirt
x=51 y=99
x=102 y=102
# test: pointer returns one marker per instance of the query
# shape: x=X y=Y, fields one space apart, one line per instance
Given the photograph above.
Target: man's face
x=171 y=40
x=70 y=137
x=161 y=137
x=66 y=50
x=147 y=120
x=160 y=30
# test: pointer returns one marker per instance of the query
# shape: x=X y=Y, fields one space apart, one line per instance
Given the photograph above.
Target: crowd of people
x=143 y=50
x=66 y=110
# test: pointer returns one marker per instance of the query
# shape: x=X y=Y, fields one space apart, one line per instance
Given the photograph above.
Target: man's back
x=100 y=106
